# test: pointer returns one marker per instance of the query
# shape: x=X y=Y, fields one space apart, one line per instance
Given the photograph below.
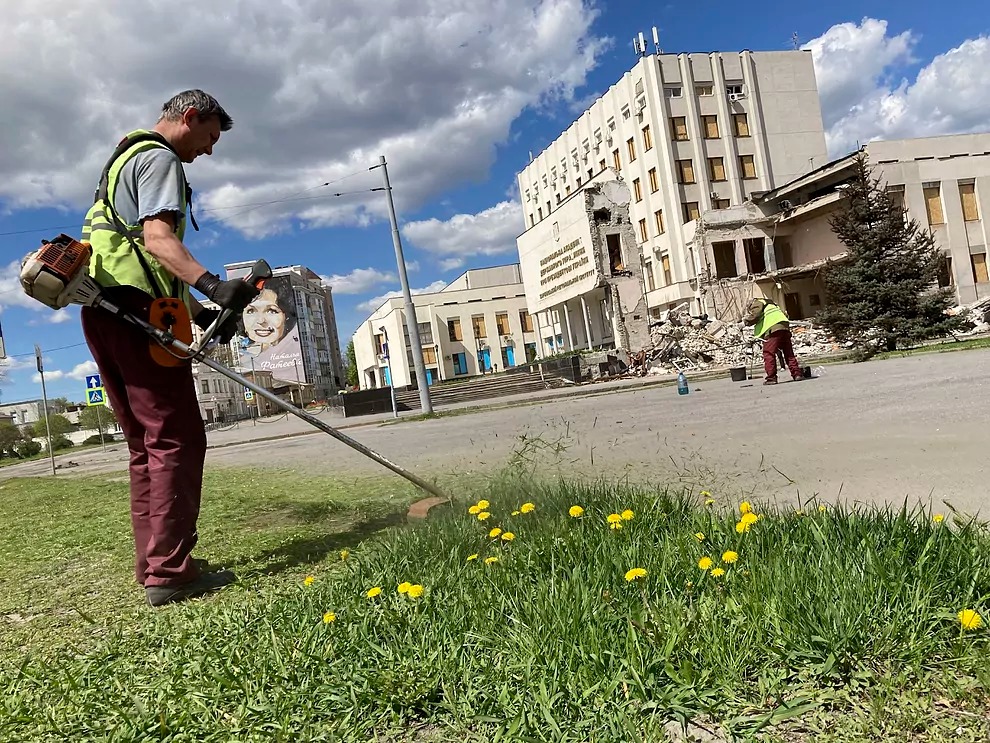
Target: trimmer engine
x=57 y=274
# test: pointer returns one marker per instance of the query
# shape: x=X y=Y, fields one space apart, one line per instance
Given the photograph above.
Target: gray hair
x=204 y=103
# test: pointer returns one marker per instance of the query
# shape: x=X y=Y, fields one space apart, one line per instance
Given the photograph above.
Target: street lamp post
x=391 y=376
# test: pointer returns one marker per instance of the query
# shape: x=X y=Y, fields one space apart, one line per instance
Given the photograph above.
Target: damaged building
x=583 y=274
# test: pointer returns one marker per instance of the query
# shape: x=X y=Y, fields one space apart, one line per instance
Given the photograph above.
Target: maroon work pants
x=779 y=340
x=158 y=413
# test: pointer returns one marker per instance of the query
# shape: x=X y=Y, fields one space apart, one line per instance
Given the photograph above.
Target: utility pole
x=417 y=350
x=99 y=425
x=44 y=397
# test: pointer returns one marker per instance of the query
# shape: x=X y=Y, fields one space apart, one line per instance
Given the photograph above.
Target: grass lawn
x=810 y=625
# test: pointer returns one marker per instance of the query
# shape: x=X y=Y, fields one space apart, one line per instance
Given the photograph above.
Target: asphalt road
x=912 y=428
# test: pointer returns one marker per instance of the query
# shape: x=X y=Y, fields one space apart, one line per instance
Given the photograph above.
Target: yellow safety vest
x=772 y=314
x=119 y=256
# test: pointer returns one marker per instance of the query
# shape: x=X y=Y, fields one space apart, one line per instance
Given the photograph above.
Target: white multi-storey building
x=686 y=133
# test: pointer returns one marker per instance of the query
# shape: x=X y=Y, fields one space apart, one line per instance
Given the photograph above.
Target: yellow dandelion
x=710 y=502
x=372 y=592
x=483 y=515
x=490 y=560
x=329 y=617
x=699 y=536
x=749 y=518
x=483 y=504
x=415 y=591
x=718 y=573
x=635 y=574
x=706 y=494
x=627 y=515
x=575 y=512
x=614 y=518
x=745 y=507
x=494 y=533
x=729 y=557
x=527 y=508
x=938 y=518
x=822 y=508
x=309 y=580
x=615 y=525
x=472 y=557
x=508 y=536
x=705 y=563
x=742 y=526
x=969 y=619
x=515 y=513
x=474 y=510
x=799 y=512
x=344 y=554
x=404 y=587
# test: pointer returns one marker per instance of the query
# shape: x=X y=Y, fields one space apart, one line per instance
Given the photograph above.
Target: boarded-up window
x=979 y=261
x=651 y=282
x=654 y=181
x=643 y=234
x=658 y=220
x=720 y=204
x=478 y=325
x=933 y=205
x=502 y=323
x=741 y=125
x=430 y=356
x=454 y=329
x=526 y=320
x=665 y=263
x=616 y=160
x=725 y=260
x=747 y=166
x=631 y=147
x=691 y=211
x=647 y=139
x=678 y=125
x=967 y=194
x=716 y=168
x=638 y=190
x=710 y=126
x=756 y=259
x=685 y=170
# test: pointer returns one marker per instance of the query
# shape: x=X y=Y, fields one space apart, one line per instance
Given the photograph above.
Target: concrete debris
x=976 y=316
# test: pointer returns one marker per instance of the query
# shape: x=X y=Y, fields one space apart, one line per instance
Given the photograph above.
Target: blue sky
x=454 y=93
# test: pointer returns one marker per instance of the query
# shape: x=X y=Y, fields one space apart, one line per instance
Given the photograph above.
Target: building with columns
x=684 y=134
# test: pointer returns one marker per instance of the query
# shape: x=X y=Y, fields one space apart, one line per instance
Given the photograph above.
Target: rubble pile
x=976 y=316
x=681 y=340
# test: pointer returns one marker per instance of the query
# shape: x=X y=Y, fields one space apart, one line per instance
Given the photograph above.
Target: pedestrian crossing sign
x=95 y=396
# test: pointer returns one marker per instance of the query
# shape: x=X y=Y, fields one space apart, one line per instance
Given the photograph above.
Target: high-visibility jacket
x=772 y=315
x=119 y=256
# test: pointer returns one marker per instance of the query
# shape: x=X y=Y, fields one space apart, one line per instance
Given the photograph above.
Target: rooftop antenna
x=635 y=45
x=642 y=44
x=656 y=40
x=796 y=41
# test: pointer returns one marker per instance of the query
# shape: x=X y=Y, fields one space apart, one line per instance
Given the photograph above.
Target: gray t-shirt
x=150 y=183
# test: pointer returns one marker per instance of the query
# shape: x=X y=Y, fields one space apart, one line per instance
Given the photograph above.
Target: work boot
x=206 y=583
x=770 y=380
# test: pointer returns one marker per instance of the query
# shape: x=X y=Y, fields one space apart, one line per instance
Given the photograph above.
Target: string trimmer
x=57 y=275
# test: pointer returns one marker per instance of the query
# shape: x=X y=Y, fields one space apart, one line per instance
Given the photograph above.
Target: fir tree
x=886 y=291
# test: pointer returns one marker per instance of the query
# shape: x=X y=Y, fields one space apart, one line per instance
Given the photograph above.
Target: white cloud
x=79 y=371
x=359 y=281
x=375 y=302
x=489 y=232
x=317 y=91
x=862 y=98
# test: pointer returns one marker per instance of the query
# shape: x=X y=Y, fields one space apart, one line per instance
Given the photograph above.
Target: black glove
x=233 y=295
x=225 y=332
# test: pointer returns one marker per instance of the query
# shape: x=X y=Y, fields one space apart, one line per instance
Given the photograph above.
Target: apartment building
x=477 y=324
x=685 y=133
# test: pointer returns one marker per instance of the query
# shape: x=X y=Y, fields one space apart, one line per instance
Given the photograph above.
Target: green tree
x=59 y=423
x=352 y=370
x=58 y=405
x=886 y=292
x=10 y=437
x=90 y=419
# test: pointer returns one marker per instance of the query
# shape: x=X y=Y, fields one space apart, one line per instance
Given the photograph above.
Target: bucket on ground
x=738 y=373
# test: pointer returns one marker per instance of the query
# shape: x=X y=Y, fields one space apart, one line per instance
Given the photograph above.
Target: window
x=647 y=139
x=658 y=221
x=933 y=204
x=617 y=161
x=454 y=329
x=725 y=259
x=526 y=320
x=478 y=326
x=710 y=125
x=651 y=282
x=673 y=91
x=703 y=91
x=756 y=260
x=643 y=234
x=741 y=125
x=601 y=165
x=716 y=168
x=967 y=193
x=591 y=173
x=720 y=204
x=747 y=166
x=460 y=363
x=685 y=170
x=945 y=277
x=539 y=213
x=379 y=344
x=691 y=211
x=625 y=112
x=654 y=181
x=502 y=323
x=638 y=189
x=568 y=191
x=614 y=245
x=979 y=261
x=734 y=89
x=631 y=147
x=678 y=125
x=430 y=356
x=206 y=386
x=665 y=265
x=425 y=333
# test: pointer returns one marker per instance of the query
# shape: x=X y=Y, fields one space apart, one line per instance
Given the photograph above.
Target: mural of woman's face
x=264 y=320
